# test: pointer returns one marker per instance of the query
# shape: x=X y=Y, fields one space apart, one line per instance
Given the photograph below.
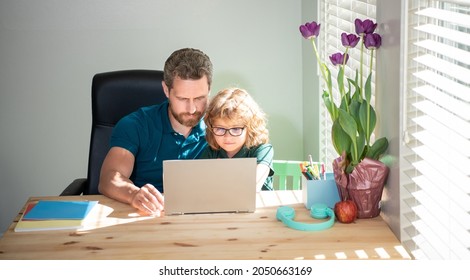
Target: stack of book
x=54 y=215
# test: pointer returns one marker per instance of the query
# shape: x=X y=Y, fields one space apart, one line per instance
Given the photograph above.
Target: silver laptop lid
x=209 y=185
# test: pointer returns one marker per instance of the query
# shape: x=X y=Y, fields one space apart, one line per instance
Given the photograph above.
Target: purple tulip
x=349 y=40
x=337 y=58
x=364 y=27
x=372 y=41
x=310 y=29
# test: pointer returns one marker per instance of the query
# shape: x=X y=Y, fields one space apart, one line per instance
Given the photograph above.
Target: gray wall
x=50 y=49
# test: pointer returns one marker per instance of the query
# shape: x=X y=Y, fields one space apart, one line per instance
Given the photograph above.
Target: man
x=132 y=171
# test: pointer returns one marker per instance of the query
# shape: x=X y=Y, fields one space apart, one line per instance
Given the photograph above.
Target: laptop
x=209 y=186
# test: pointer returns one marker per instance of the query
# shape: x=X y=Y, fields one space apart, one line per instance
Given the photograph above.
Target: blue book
x=60 y=210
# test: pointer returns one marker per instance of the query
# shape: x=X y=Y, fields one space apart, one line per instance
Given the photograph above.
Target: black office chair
x=114 y=95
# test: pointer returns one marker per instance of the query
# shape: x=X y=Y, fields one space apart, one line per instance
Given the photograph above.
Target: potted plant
x=359 y=174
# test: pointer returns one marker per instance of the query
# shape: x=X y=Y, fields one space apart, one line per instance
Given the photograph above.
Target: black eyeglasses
x=234 y=131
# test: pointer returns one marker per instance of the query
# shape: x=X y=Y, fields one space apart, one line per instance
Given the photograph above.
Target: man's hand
x=148 y=200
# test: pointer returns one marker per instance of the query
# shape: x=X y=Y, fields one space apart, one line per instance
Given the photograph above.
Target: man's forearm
x=118 y=187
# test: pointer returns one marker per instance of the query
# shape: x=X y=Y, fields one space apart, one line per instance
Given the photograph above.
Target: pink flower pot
x=364 y=185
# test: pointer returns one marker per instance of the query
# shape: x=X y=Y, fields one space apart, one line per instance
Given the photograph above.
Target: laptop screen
x=209 y=185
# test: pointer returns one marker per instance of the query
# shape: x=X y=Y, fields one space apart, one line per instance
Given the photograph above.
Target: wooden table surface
x=114 y=230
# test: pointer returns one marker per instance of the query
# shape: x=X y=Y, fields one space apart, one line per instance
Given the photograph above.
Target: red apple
x=346 y=211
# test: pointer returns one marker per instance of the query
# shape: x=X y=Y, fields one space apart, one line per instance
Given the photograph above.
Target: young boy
x=236 y=128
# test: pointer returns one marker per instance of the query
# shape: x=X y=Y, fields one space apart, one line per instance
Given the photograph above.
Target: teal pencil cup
x=320 y=191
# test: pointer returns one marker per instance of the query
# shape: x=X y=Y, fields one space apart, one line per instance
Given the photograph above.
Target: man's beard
x=182 y=118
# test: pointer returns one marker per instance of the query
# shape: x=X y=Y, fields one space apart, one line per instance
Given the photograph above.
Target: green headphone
x=286 y=215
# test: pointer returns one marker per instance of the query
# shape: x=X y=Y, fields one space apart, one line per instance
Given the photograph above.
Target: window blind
x=336 y=17
x=435 y=183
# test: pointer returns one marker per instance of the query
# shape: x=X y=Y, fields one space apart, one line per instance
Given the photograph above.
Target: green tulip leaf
x=367 y=123
x=354 y=111
x=348 y=123
x=328 y=76
x=347 y=96
x=368 y=88
x=379 y=147
x=341 y=141
x=350 y=167
x=341 y=81
x=330 y=106
x=344 y=105
x=361 y=146
x=357 y=93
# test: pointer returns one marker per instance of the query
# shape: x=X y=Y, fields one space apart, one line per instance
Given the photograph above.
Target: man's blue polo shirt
x=149 y=136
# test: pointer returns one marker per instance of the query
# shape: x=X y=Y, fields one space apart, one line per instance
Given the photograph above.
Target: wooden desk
x=114 y=231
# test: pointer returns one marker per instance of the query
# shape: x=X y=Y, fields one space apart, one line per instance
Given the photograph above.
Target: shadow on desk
x=116 y=231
